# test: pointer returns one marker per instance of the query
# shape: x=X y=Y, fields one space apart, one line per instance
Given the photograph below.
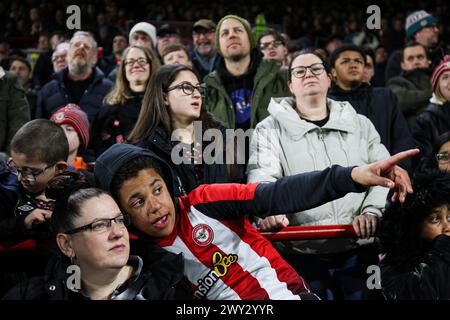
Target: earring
x=72 y=260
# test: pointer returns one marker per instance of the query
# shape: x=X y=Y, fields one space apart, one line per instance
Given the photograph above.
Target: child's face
x=72 y=137
x=437 y=223
x=32 y=178
x=146 y=199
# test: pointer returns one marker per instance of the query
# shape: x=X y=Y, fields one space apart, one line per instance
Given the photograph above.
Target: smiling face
x=184 y=108
x=437 y=223
x=233 y=40
x=310 y=86
x=104 y=249
x=204 y=41
x=148 y=201
x=135 y=72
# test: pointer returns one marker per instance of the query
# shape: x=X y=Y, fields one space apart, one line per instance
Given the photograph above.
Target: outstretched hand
x=386 y=173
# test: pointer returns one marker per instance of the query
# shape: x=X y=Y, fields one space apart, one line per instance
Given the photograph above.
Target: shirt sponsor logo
x=220 y=266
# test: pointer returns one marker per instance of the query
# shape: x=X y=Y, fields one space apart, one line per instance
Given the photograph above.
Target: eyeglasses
x=29 y=174
x=300 y=72
x=140 y=61
x=101 y=225
x=274 y=43
x=443 y=157
x=188 y=88
x=61 y=57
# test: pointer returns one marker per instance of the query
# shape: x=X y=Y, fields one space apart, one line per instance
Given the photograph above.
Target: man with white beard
x=81 y=82
x=203 y=54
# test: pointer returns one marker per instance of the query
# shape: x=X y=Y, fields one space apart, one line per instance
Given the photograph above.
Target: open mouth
x=161 y=222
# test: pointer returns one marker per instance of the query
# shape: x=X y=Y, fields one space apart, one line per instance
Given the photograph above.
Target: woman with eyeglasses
x=118 y=116
x=95 y=264
x=174 y=123
x=310 y=132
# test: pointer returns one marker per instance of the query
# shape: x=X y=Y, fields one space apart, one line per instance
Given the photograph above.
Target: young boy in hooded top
x=225 y=257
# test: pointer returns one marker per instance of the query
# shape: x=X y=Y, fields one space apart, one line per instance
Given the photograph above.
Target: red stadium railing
x=311 y=233
x=288 y=233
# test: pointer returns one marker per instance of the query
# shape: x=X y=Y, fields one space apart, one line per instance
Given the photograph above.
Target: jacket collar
x=336 y=90
x=342 y=117
x=62 y=74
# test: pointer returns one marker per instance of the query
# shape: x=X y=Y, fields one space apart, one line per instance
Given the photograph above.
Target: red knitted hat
x=440 y=69
x=77 y=118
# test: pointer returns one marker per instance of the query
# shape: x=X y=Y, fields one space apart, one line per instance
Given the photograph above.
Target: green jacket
x=413 y=91
x=270 y=81
x=14 y=109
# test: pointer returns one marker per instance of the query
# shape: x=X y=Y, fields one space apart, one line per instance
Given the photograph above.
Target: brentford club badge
x=202 y=235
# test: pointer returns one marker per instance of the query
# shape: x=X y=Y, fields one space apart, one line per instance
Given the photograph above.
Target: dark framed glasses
x=188 y=88
x=300 y=72
x=140 y=61
x=29 y=174
x=102 y=225
x=274 y=43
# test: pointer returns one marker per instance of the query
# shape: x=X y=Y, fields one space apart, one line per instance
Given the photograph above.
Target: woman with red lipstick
x=173 y=122
x=95 y=263
x=309 y=132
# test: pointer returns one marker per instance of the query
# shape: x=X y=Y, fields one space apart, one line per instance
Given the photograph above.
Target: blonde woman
x=122 y=105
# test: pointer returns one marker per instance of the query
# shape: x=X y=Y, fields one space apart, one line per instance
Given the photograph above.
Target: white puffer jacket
x=283 y=144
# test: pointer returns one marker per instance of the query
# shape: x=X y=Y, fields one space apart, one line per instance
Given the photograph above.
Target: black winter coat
x=114 y=123
x=163 y=280
x=380 y=106
x=428 y=280
x=54 y=95
x=430 y=124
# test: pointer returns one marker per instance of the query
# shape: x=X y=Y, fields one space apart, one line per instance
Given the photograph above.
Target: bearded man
x=81 y=82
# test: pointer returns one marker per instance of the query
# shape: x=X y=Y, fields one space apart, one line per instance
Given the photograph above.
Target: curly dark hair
x=400 y=228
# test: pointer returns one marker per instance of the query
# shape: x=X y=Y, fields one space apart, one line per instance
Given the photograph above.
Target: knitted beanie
x=437 y=73
x=418 y=20
x=146 y=28
x=247 y=28
x=77 y=118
